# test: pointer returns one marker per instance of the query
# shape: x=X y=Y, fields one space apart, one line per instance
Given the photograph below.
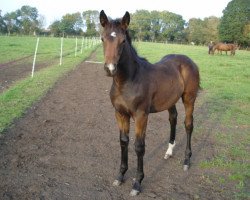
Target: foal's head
x=113 y=38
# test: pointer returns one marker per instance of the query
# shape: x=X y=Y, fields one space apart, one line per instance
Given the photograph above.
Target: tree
x=195 y=31
x=203 y=31
x=172 y=26
x=234 y=22
x=140 y=25
x=28 y=18
x=246 y=34
x=211 y=29
x=71 y=24
x=91 y=21
x=3 y=27
x=155 y=25
x=24 y=20
x=55 y=28
x=12 y=22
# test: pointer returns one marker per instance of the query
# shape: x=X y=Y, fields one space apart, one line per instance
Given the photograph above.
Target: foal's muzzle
x=110 y=69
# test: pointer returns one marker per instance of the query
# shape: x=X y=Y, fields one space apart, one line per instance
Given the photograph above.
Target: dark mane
x=128 y=37
x=133 y=49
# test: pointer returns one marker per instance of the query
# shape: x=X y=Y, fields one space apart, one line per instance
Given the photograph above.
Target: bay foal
x=140 y=88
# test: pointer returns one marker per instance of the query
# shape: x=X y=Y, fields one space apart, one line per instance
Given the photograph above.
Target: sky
x=55 y=9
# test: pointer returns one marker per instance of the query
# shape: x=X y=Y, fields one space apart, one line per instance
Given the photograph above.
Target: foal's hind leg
x=173 y=121
x=188 y=101
x=123 y=123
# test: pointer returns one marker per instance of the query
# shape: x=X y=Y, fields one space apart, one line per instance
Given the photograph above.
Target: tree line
x=22 y=21
x=157 y=26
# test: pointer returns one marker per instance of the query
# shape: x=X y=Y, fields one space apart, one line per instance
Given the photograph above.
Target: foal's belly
x=159 y=95
x=163 y=104
x=165 y=98
x=160 y=102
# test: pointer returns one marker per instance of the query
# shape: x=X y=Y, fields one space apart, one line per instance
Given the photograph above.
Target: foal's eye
x=123 y=41
x=102 y=39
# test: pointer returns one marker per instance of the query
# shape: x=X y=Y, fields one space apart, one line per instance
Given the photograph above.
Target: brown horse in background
x=140 y=88
x=224 y=47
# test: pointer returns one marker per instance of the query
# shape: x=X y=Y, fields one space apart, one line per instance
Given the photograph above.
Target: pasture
x=65 y=145
x=18 y=89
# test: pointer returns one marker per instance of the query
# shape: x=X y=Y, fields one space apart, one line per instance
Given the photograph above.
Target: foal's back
x=174 y=76
x=187 y=69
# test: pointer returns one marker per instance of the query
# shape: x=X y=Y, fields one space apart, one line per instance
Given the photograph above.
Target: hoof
x=136 y=189
x=134 y=192
x=117 y=183
x=185 y=167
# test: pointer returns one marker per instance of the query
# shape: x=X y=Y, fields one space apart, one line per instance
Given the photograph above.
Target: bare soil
x=67 y=147
x=15 y=70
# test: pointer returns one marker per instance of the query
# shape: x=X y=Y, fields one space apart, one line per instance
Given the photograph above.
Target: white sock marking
x=170 y=150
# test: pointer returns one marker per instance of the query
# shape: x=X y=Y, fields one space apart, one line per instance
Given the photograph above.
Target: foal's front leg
x=123 y=123
x=140 y=130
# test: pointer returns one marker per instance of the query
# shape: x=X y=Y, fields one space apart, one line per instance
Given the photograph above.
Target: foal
x=140 y=88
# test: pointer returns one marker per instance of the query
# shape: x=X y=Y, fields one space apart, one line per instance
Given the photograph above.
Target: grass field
x=24 y=92
x=13 y=48
x=225 y=96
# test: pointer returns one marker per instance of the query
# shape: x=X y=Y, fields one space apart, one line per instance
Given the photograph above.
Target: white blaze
x=113 y=34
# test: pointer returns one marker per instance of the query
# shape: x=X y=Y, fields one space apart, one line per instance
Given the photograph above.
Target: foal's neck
x=127 y=65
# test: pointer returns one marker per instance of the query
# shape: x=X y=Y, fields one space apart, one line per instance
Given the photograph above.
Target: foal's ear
x=125 y=20
x=103 y=19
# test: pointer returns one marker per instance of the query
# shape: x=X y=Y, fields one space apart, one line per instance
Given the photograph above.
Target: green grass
x=99 y=55
x=49 y=48
x=16 y=47
x=16 y=100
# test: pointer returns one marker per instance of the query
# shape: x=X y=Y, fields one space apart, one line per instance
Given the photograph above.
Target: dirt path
x=17 y=69
x=67 y=147
x=6 y=64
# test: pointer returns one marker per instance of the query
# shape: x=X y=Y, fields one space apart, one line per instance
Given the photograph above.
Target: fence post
x=34 y=61
x=61 y=51
x=82 y=44
x=76 y=47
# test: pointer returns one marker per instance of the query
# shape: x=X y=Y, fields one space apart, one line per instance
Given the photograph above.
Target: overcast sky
x=55 y=9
